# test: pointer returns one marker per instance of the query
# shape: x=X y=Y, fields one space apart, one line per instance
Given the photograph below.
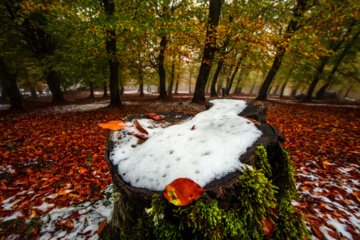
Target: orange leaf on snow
x=102 y=225
x=183 y=191
x=69 y=223
x=154 y=116
x=113 y=125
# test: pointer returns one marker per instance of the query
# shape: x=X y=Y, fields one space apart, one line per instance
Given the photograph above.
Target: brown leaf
x=139 y=127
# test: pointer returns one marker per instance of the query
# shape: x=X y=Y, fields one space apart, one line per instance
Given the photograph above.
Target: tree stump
x=224 y=196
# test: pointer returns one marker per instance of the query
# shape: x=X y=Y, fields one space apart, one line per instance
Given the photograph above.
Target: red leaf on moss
x=183 y=191
x=154 y=116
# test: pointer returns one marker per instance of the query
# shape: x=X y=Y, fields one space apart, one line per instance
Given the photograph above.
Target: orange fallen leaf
x=154 y=116
x=69 y=223
x=102 y=225
x=183 y=191
x=193 y=127
x=35 y=230
x=113 y=125
x=252 y=120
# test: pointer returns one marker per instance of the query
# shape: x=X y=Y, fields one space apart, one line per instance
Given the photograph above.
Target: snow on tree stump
x=250 y=203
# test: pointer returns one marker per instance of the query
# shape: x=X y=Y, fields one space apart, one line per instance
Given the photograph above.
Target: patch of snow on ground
x=77 y=108
x=85 y=227
x=211 y=150
x=4 y=106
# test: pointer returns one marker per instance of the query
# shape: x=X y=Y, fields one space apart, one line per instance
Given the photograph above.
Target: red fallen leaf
x=35 y=230
x=193 y=127
x=102 y=225
x=269 y=227
x=140 y=128
x=154 y=116
x=346 y=201
x=45 y=190
x=113 y=125
x=69 y=223
x=183 y=191
x=82 y=170
x=318 y=233
x=305 y=189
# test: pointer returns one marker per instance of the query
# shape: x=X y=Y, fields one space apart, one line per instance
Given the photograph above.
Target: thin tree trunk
x=53 y=82
x=242 y=57
x=320 y=93
x=209 y=51
x=172 y=78
x=216 y=75
x=91 y=90
x=252 y=88
x=8 y=82
x=161 y=69
x=290 y=30
x=105 y=89
x=283 y=89
x=348 y=91
x=111 y=50
x=177 y=83
x=276 y=89
x=316 y=79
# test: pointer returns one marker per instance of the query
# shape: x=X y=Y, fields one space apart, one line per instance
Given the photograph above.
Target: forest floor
x=55 y=183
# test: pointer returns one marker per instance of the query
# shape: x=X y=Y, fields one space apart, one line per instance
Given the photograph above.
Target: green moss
x=262 y=161
x=203 y=219
x=286 y=182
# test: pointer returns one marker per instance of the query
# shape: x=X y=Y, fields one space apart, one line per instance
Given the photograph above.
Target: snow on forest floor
x=50 y=165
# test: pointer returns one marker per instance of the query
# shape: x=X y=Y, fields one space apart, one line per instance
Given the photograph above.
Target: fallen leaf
x=102 y=225
x=154 y=116
x=139 y=127
x=69 y=223
x=183 y=191
x=193 y=127
x=113 y=125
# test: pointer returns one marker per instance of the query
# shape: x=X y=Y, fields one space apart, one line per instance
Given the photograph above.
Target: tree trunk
x=105 y=90
x=122 y=89
x=276 y=89
x=172 y=78
x=242 y=57
x=177 y=83
x=111 y=50
x=161 y=69
x=290 y=30
x=53 y=82
x=91 y=90
x=209 y=51
x=4 y=95
x=316 y=79
x=293 y=92
x=216 y=75
x=8 y=82
x=348 y=91
x=141 y=79
x=283 y=89
x=252 y=88
x=320 y=93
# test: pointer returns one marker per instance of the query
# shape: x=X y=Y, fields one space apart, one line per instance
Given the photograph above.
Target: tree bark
x=161 y=69
x=209 y=51
x=290 y=30
x=283 y=89
x=91 y=84
x=111 y=50
x=216 y=75
x=8 y=82
x=252 y=88
x=172 y=79
x=320 y=93
x=53 y=82
x=235 y=71
x=348 y=91
x=105 y=90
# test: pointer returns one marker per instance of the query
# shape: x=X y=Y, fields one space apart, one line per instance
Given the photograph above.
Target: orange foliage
x=183 y=191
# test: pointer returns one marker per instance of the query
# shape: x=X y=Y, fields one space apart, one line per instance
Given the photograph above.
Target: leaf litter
x=52 y=164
